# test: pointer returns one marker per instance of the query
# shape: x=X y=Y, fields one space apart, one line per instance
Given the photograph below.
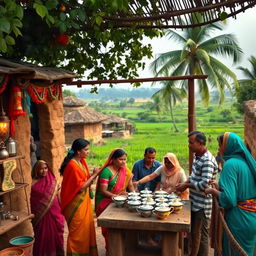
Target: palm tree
x=197 y=57
x=157 y=104
x=250 y=75
x=171 y=95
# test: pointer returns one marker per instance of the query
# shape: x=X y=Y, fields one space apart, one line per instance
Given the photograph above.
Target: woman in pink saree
x=48 y=222
x=114 y=179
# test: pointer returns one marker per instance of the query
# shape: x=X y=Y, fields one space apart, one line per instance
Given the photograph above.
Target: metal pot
x=3 y=153
x=11 y=146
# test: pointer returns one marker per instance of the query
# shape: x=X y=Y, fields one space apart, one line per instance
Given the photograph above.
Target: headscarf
x=176 y=165
x=77 y=145
x=36 y=167
x=233 y=147
x=173 y=175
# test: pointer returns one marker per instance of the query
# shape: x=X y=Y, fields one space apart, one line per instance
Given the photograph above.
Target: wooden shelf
x=17 y=186
x=11 y=158
x=6 y=225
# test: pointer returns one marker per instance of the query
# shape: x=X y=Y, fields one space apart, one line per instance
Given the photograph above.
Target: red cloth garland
x=41 y=94
x=15 y=107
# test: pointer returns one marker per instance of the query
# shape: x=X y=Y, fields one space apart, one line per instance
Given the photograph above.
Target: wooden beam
x=79 y=83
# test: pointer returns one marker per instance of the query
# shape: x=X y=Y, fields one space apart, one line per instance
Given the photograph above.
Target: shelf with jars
x=10 y=218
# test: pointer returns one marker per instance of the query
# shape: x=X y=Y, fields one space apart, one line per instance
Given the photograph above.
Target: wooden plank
x=116 y=244
x=170 y=244
x=17 y=186
x=11 y=158
x=8 y=224
x=122 y=218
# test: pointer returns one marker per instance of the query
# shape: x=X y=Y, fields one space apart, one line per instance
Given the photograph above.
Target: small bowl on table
x=177 y=205
x=119 y=200
x=162 y=212
x=133 y=204
x=145 y=210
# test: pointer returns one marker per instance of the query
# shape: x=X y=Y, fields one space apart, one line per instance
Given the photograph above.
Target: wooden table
x=124 y=227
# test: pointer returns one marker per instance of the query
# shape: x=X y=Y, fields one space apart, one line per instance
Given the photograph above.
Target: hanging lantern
x=4 y=132
x=4 y=125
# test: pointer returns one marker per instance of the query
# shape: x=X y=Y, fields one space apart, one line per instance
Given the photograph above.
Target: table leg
x=115 y=240
x=170 y=246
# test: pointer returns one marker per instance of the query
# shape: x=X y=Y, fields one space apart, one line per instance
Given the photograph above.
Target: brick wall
x=250 y=126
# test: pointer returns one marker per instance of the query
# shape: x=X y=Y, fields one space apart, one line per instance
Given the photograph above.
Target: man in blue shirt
x=145 y=167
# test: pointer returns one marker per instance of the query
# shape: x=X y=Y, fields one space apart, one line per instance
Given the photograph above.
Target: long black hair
x=77 y=145
x=118 y=153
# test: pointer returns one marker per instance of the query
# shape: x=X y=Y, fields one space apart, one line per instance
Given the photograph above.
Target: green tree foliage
x=199 y=55
x=247 y=89
x=68 y=93
x=131 y=100
x=72 y=34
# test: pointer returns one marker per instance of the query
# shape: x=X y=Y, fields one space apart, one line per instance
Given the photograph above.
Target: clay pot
x=12 y=251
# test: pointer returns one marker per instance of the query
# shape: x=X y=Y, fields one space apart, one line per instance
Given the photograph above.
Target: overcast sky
x=243 y=27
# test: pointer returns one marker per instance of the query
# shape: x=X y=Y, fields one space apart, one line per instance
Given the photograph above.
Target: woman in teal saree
x=237 y=193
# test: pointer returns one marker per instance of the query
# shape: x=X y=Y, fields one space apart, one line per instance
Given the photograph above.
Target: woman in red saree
x=114 y=179
x=48 y=222
x=76 y=202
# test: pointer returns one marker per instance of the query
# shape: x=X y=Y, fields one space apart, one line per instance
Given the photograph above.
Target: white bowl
x=119 y=200
x=145 y=210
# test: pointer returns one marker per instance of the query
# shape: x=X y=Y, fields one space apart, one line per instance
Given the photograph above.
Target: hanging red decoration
x=15 y=107
x=62 y=39
x=42 y=94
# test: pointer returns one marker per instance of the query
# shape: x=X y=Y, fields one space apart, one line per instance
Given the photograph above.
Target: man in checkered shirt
x=204 y=169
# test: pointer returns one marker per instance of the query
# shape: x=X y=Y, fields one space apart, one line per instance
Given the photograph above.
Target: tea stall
x=30 y=104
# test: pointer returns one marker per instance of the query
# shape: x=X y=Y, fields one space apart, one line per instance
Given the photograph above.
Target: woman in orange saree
x=75 y=200
x=114 y=179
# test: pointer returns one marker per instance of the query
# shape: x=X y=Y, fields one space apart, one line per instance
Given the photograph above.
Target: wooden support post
x=191 y=115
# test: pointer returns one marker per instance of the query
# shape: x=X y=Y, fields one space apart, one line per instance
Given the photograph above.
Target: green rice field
x=161 y=136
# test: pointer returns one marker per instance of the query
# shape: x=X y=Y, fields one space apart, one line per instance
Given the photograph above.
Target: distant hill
x=105 y=94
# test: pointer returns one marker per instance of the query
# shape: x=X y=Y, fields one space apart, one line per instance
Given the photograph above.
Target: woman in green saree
x=114 y=179
x=237 y=193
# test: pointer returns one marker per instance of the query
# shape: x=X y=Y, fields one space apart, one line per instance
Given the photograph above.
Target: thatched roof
x=71 y=101
x=76 y=113
x=29 y=71
x=114 y=119
x=174 y=13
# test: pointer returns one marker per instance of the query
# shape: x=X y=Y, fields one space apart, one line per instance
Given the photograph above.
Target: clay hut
x=116 y=126
x=81 y=121
x=31 y=97
x=250 y=126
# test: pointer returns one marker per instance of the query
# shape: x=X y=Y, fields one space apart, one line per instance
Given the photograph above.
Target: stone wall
x=250 y=126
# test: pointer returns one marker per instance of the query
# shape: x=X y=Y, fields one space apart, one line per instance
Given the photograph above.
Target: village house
x=81 y=121
x=31 y=97
x=116 y=126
